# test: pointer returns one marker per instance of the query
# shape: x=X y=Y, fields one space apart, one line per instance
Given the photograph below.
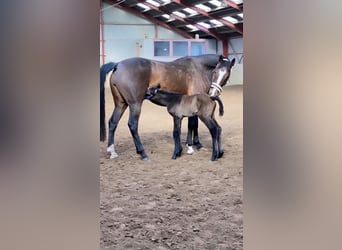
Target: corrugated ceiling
x=219 y=19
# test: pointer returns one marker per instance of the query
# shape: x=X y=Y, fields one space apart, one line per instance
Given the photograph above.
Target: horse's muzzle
x=215 y=89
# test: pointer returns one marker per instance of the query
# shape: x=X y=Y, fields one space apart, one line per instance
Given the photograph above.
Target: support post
x=225 y=47
x=102 y=38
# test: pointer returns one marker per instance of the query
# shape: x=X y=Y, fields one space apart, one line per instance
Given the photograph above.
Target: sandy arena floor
x=188 y=203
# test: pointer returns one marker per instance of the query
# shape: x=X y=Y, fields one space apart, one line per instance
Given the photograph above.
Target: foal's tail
x=216 y=98
x=104 y=70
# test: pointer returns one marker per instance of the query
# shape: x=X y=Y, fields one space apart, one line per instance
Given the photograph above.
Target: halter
x=216 y=86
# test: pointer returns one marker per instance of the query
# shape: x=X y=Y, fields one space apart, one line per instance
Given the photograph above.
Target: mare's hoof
x=190 y=150
x=145 y=158
x=113 y=155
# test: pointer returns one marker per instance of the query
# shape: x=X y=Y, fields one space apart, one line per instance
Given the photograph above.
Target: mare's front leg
x=177 y=123
x=133 y=123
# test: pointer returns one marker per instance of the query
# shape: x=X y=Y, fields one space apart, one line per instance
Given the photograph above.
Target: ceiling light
x=216 y=23
x=143 y=6
x=216 y=3
x=166 y=16
x=190 y=11
x=231 y=19
x=237 y=1
x=207 y=25
x=190 y=26
x=153 y=3
x=203 y=7
x=180 y=14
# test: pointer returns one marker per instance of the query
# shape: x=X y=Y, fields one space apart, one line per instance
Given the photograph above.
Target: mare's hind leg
x=112 y=125
x=133 y=122
x=120 y=107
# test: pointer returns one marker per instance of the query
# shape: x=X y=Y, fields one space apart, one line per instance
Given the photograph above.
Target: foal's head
x=221 y=75
x=152 y=91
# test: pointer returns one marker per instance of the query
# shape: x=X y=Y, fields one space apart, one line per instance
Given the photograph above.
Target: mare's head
x=220 y=75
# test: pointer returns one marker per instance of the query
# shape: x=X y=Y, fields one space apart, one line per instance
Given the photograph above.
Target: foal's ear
x=157 y=86
x=232 y=63
x=221 y=58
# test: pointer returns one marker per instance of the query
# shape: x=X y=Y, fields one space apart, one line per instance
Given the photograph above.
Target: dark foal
x=180 y=106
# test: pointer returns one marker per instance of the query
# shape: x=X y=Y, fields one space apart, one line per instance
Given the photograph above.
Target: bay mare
x=129 y=79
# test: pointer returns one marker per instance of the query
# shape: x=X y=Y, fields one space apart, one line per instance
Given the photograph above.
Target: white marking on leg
x=112 y=152
x=113 y=155
x=190 y=150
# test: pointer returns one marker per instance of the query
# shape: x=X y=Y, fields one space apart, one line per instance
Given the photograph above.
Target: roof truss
x=207 y=16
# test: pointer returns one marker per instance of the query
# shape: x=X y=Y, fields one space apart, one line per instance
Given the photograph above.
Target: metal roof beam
x=212 y=33
x=233 y=5
x=153 y=20
x=225 y=22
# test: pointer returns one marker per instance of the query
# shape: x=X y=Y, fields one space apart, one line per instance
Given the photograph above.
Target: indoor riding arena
x=160 y=203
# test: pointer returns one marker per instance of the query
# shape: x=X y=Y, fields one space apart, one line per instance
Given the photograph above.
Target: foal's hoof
x=198 y=145
x=214 y=157
x=220 y=154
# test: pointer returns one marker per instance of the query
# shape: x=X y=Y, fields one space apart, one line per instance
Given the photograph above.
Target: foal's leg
x=220 y=147
x=213 y=129
x=193 y=124
x=190 y=150
x=177 y=123
x=133 y=122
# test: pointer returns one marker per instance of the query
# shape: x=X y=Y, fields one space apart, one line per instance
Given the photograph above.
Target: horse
x=179 y=106
x=130 y=78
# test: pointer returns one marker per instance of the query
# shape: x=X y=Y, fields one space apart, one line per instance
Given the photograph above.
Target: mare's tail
x=218 y=99
x=104 y=70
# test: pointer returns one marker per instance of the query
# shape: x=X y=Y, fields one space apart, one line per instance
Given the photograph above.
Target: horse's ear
x=221 y=58
x=232 y=63
x=158 y=86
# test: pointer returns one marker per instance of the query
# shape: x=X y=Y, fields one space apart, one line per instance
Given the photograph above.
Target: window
x=180 y=48
x=197 y=48
x=177 y=48
x=161 y=48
